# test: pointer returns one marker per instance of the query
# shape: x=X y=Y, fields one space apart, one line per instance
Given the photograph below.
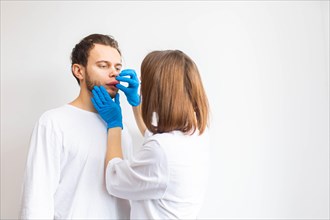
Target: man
x=64 y=176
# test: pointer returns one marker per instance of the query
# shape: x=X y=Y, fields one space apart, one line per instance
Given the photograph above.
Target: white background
x=264 y=64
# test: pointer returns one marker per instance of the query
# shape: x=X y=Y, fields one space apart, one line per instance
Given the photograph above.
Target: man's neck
x=83 y=101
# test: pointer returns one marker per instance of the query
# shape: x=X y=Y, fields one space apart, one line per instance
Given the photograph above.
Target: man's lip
x=113 y=83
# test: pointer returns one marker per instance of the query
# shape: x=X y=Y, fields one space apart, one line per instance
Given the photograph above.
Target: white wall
x=265 y=66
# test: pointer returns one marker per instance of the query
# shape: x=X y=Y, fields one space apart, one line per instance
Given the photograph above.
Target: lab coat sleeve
x=145 y=177
x=42 y=173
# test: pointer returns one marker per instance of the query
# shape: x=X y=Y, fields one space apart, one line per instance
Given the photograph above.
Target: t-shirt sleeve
x=145 y=177
x=42 y=173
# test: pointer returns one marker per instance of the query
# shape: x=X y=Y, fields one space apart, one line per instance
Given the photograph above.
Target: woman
x=168 y=175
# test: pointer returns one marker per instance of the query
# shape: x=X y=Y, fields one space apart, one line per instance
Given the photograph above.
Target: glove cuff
x=114 y=125
x=136 y=102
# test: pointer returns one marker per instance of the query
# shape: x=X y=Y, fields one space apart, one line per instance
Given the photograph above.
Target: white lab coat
x=167 y=178
x=64 y=177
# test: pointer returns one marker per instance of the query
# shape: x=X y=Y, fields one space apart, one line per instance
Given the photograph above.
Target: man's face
x=103 y=65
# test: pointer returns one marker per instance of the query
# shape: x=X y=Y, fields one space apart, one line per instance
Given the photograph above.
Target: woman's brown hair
x=171 y=88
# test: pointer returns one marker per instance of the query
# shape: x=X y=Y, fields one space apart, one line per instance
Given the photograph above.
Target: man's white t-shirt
x=166 y=179
x=64 y=176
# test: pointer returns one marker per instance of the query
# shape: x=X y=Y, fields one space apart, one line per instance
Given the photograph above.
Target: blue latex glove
x=108 y=109
x=131 y=91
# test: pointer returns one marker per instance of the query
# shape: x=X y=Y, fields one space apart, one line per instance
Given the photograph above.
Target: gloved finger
x=117 y=99
x=100 y=94
x=97 y=98
x=122 y=88
x=105 y=94
x=95 y=105
x=131 y=82
x=128 y=72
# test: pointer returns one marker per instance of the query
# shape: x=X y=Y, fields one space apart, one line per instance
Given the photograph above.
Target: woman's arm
x=110 y=112
x=138 y=118
x=146 y=177
x=129 y=76
x=113 y=145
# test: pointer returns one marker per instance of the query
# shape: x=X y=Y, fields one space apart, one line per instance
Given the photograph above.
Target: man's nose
x=113 y=72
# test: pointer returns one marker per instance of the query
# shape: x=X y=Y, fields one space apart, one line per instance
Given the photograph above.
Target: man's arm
x=42 y=174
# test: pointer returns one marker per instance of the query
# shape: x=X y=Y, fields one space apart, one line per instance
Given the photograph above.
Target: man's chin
x=112 y=93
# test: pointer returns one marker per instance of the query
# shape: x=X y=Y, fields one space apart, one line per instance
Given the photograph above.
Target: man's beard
x=90 y=84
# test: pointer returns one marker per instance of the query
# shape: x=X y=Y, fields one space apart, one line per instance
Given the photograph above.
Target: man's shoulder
x=54 y=114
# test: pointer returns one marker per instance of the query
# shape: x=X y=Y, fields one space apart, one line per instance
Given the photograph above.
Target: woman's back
x=185 y=168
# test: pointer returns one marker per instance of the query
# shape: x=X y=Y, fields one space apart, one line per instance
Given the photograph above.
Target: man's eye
x=118 y=69
x=103 y=66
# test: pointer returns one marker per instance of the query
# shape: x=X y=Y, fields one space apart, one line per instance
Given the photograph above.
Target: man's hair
x=172 y=88
x=80 y=52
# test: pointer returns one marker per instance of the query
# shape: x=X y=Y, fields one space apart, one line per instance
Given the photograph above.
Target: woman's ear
x=78 y=71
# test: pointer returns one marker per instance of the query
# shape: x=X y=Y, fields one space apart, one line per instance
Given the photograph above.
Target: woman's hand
x=131 y=91
x=108 y=109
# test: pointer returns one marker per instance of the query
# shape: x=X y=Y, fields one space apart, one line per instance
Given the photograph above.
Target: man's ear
x=78 y=71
